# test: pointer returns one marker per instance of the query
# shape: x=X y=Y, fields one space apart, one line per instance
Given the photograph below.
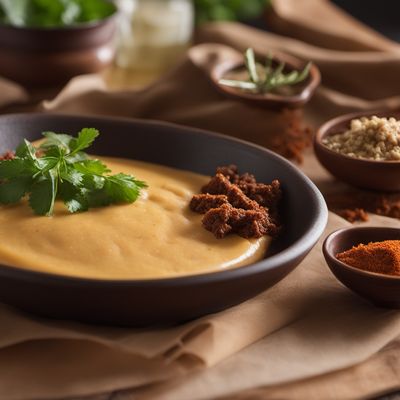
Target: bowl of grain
x=362 y=149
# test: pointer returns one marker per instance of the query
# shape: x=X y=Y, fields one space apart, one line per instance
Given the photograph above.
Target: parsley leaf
x=91 y=167
x=43 y=194
x=84 y=140
x=13 y=191
x=73 y=197
x=26 y=150
x=123 y=188
x=56 y=139
x=15 y=168
x=72 y=176
x=59 y=169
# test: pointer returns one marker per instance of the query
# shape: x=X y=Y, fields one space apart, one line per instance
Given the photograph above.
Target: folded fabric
x=11 y=93
x=308 y=316
x=308 y=324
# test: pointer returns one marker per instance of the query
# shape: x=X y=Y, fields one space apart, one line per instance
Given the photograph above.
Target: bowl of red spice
x=367 y=261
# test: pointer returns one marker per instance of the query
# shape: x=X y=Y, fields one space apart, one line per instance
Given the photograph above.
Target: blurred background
x=166 y=24
x=149 y=36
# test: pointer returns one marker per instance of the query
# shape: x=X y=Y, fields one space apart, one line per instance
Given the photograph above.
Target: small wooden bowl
x=269 y=100
x=382 y=290
x=368 y=174
x=49 y=57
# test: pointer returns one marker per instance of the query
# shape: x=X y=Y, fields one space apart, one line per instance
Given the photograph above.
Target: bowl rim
x=322 y=132
x=303 y=96
x=343 y=265
x=294 y=251
x=80 y=26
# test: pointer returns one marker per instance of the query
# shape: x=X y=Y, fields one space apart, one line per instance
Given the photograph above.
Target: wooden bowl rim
x=293 y=62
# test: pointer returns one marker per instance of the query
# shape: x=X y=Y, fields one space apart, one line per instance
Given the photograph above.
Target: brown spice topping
x=201 y=203
x=246 y=223
x=380 y=257
x=234 y=203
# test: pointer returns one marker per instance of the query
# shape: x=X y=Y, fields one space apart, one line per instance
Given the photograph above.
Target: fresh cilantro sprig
x=59 y=169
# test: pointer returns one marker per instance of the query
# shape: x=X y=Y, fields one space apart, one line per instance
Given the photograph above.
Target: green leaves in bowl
x=59 y=169
x=53 y=13
x=265 y=78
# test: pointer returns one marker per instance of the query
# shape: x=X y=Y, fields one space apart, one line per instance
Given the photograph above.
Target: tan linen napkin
x=56 y=359
x=338 y=329
x=43 y=359
x=309 y=324
x=185 y=96
x=11 y=93
x=377 y=376
x=321 y=23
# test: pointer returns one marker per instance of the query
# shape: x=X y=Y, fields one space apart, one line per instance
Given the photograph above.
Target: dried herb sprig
x=263 y=79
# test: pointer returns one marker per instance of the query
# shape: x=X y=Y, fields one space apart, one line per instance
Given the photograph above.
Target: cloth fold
x=305 y=326
x=323 y=322
x=11 y=93
x=186 y=96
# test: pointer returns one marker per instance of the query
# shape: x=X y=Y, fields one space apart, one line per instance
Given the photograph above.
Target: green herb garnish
x=266 y=78
x=63 y=171
x=53 y=13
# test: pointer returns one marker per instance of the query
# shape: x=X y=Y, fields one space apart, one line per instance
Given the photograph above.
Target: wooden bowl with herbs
x=275 y=81
x=367 y=261
x=47 y=44
x=362 y=149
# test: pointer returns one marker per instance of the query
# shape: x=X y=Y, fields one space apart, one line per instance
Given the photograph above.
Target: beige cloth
x=306 y=325
x=11 y=93
x=311 y=325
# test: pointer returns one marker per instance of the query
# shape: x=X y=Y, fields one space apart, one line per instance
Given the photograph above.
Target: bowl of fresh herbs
x=276 y=80
x=46 y=42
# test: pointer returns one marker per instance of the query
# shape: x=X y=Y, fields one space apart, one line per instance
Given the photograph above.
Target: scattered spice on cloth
x=379 y=257
x=295 y=139
x=385 y=204
x=353 y=215
x=233 y=203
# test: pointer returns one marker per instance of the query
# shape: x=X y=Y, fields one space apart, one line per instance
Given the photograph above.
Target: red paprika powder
x=379 y=257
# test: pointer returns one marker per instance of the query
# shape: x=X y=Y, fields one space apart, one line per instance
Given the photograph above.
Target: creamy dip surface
x=155 y=237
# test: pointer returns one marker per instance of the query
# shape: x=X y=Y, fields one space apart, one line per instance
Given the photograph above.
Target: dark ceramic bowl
x=382 y=290
x=51 y=56
x=161 y=301
x=303 y=91
x=368 y=174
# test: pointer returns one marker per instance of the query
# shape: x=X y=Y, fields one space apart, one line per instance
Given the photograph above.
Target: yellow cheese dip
x=155 y=237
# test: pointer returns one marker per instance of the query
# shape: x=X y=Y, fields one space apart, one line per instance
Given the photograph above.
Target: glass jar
x=153 y=34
